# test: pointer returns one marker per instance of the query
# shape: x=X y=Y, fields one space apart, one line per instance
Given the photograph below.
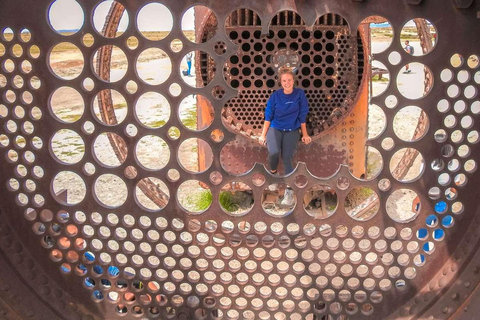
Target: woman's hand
x=262 y=140
x=306 y=139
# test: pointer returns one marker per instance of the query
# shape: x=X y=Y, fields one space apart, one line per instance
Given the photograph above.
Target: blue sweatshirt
x=287 y=111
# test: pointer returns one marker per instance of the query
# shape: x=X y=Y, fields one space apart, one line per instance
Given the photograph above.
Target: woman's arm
x=263 y=137
x=269 y=115
x=305 y=137
x=303 y=117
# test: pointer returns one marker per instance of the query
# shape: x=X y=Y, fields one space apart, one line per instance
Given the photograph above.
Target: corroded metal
x=56 y=255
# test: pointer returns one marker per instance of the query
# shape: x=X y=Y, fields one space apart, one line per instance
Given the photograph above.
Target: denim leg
x=289 y=145
x=274 y=143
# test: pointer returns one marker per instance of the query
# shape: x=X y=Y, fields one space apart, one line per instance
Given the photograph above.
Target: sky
x=69 y=15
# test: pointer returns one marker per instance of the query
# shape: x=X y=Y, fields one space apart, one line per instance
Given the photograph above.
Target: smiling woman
x=285 y=114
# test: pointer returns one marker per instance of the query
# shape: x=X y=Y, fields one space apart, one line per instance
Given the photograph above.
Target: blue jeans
x=189 y=66
x=282 y=144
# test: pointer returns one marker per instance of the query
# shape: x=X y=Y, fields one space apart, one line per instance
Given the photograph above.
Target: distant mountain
x=68 y=31
x=381 y=25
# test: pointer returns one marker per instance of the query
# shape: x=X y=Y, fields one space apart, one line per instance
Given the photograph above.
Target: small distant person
x=189 y=63
x=409 y=49
x=285 y=115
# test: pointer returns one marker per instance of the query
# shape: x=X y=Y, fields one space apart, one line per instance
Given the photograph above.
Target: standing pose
x=285 y=114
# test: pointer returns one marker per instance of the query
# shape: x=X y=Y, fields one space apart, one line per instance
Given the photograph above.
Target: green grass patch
x=189 y=119
x=227 y=202
x=156 y=123
x=377 y=78
x=200 y=201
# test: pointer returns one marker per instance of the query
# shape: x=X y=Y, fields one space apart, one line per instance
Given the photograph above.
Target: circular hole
x=470 y=92
x=153 y=66
x=205 y=16
x=101 y=19
x=362 y=203
x=450 y=121
x=131 y=87
x=110 y=149
x=152 y=110
x=216 y=178
x=88 y=84
x=110 y=190
x=388 y=144
x=403 y=205
x=217 y=135
x=411 y=83
x=384 y=184
x=9 y=66
x=473 y=137
x=236 y=198
x=196 y=112
x=88 y=40
x=67 y=146
x=320 y=201
x=25 y=35
x=110 y=107
x=152 y=152
x=17 y=50
x=67 y=104
x=258 y=179
x=472 y=61
x=173 y=133
x=175 y=89
x=152 y=194
x=88 y=127
x=195 y=155
x=66 y=61
x=453 y=91
x=410 y=36
x=66 y=17
x=443 y=106
x=391 y=101
x=132 y=43
x=470 y=166
x=154 y=21
x=176 y=45
x=110 y=63
x=460 y=106
x=447 y=221
x=463 y=76
x=407 y=165
x=68 y=188
x=403 y=120
x=194 y=196
x=278 y=200
x=394 y=58
x=446 y=75
x=196 y=69
x=456 y=60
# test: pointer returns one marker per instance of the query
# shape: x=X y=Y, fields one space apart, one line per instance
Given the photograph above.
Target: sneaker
x=288 y=199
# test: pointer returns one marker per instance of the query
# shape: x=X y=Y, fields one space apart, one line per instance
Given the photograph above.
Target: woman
x=285 y=114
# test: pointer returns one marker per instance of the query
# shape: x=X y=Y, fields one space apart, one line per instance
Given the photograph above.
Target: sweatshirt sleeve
x=270 y=109
x=302 y=116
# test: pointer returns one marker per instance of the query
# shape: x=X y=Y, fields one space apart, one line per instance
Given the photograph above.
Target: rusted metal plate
x=116 y=255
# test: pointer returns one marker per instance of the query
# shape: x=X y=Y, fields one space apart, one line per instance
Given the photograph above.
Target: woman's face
x=287 y=82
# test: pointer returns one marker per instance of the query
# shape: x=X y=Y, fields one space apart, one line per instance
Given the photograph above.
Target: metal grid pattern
x=121 y=230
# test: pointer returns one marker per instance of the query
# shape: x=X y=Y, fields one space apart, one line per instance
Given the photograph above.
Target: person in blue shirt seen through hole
x=285 y=117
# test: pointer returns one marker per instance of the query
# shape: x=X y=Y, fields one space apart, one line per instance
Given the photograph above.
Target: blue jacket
x=287 y=111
